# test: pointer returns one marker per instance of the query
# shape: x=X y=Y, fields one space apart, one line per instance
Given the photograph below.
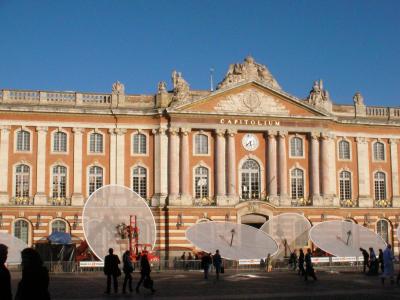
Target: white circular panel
x=234 y=241
x=250 y=142
x=110 y=206
x=343 y=238
x=289 y=230
x=15 y=246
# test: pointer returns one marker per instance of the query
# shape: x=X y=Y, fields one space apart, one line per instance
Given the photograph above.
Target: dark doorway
x=254 y=220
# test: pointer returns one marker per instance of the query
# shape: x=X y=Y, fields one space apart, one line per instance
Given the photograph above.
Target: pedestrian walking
x=128 y=269
x=388 y=261
x=301 y=263
x=217 y=262
x=380 y=260
x=5 y=277
x=206 y=263
x=34 y=283
x=373 y=262
x=268 y=263
x=309 y=266
x=111 y=270
x=145 y=274
x=366 y=259
x=293 y=260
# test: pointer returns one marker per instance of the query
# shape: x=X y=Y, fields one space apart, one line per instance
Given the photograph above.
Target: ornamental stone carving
x=162 y=87
x=358 y=99
x=118 y=88
x=248 y=70
x=250 y=101
x=319 y=97
x=181 y=87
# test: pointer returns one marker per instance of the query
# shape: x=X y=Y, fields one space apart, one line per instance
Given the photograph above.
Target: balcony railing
x=205 y=202
x=60 y=201
x=383 y=203
x=348 y=203
x=301 y=202
x=22 y=201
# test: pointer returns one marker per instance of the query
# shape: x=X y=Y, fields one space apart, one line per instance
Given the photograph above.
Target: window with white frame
x=23 y=140
x=201 y=182
x=250 y=173
x=380 y=186
x=21 y=230
x=96 y=143
x=379 y=151
x=95 y=178
x=139 y=184
x=345 y=185
x=139 y=143
x=382 y=228
x=296 y=147
x=58 y=226
x=344 y=150
x=22 y=177
x=60 y=142
x=201 y=144
x=59 y=181
x=297 y=183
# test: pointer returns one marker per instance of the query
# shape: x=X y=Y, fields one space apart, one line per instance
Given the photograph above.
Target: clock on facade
x=250 y=142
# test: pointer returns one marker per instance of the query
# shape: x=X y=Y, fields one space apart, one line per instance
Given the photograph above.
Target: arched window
x=344 y=150
x=22 y=177
x=296 y=147
x=23 y=140
x=201 y=144
x=382 y=228
x=59 y=181
x=96 y=143
x=58 y=226
x=60 y=142
x=345 y=185
x=21 y=230
x=139 y=143
x=297 y=183
x=380 y=186
x=95 y=178
x=379 y=151
x=201 y=182
x=139 y=185
x=250 y=179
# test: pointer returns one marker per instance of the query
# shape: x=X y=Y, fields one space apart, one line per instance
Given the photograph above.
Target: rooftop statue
x=248 y=70
x=181 y=87
x=358 y=99
x=162 y=87
x=118 y=88
x=318 y=95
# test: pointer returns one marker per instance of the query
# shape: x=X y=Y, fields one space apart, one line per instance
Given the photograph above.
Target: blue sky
x=86 y=45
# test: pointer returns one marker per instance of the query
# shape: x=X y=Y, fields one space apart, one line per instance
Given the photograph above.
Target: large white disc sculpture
x=109 y=207
x=289 y=230
x=15 y=246
x=343 y=238
x=234 y=241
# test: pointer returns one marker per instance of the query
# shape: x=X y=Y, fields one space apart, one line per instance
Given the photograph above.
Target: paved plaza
x=245 y=285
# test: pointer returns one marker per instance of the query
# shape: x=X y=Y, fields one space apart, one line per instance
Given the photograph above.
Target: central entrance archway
x=254 y=220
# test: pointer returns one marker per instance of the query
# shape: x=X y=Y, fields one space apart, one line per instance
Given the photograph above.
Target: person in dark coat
x=309 y=266
x=145 y=274
x=128 y=269
x=205 y=263
x=111 y=270
x=301 y=263
x=217 y=262
x=5 y=277
x=34 y=283
x=366 y=259
x=380 y=260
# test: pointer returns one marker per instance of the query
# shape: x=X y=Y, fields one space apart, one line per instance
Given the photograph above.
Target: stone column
x=120 y=155
x=395 y=172
x=364 y=195
x=173 y=162
x=220 y=155
x=272 y=167
x=315 y=191
x=40 y=197
x=231 y=157
x=113 y=156
x=77 y=196
x=283 y=178
x=186 y=198
x=328 y=168
x=4 y=146
x=160 y=164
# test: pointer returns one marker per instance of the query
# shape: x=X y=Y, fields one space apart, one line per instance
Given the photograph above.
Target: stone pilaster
x=283 y=171
x=173 y=176
x=113 y=156
x=186 y=198
x=328 y=168
x=394 y=160
x=315 y=170
x=120 y=156
x=161 y=164
x=40 y=197
x=4 y=146
x=272 y=168
x=77 y=196
x=231 y=157
x=220 y=179
x=364 y=196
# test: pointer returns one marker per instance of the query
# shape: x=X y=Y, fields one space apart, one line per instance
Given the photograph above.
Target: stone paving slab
x=191 y=285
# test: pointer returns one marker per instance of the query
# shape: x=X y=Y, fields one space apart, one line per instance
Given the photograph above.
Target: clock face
x=250 y=142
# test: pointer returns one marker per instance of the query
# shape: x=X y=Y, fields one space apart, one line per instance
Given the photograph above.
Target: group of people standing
x=207 y=260
x=112 y=271
x=297 y=263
